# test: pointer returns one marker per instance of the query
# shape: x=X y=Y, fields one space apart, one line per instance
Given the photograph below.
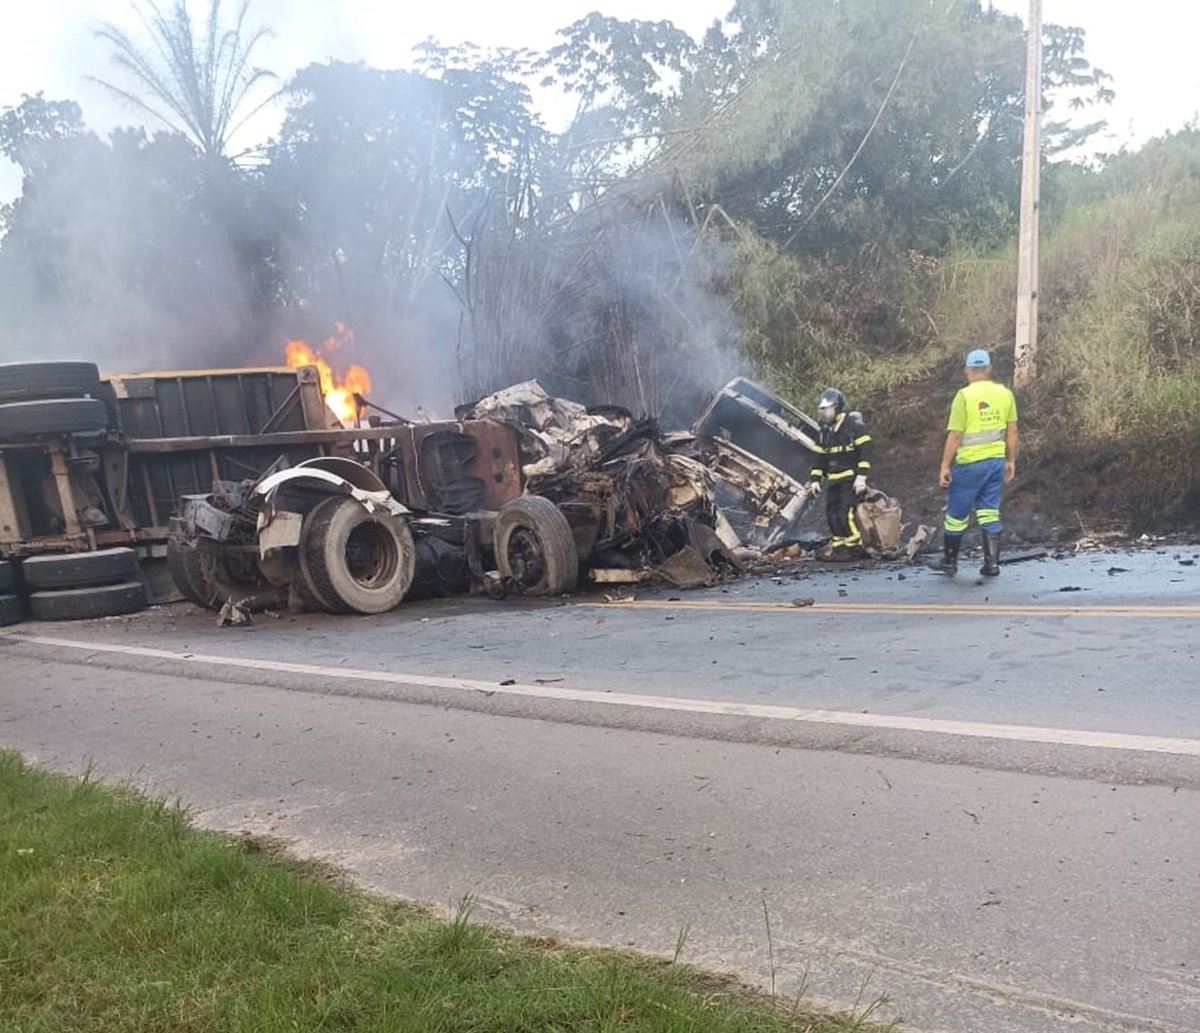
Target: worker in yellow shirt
x=979 y=458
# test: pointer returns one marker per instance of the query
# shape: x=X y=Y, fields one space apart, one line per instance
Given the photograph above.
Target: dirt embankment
x=1066 y=486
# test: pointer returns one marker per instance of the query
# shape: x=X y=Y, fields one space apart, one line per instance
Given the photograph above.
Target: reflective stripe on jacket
x=843 y=449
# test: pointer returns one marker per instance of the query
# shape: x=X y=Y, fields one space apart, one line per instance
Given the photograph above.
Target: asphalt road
x=979 y=802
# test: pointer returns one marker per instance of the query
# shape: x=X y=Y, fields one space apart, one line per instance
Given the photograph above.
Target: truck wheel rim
x=525 y=558
x=372 y=555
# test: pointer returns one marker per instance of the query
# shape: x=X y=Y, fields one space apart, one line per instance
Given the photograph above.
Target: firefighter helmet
x=832 y=404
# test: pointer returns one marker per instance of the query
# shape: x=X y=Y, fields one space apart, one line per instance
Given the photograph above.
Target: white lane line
x=947 y=609
x=973 y=729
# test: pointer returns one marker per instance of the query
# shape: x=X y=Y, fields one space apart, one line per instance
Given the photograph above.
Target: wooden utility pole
x=1025 y=362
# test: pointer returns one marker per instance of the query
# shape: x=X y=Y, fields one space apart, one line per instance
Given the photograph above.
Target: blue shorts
x=975 y=486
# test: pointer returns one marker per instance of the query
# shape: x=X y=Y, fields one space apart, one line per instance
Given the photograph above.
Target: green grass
x=116 y=915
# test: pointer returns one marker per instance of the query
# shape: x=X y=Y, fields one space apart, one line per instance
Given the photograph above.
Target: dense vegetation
x=820 y=191
x=1114 y=410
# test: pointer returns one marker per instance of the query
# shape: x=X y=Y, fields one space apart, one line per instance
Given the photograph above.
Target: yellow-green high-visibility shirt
x=982 y=411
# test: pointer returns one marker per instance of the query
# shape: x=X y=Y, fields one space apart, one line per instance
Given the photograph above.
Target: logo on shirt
x=983 y=405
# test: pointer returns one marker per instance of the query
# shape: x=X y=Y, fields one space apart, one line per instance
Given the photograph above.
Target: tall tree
x=199 y=84
x=829 y=124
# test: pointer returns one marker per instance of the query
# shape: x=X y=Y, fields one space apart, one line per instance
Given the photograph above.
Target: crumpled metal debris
x=687 y=569
x=761 y=451
x=637 y=498
x=556 y=434
x=1096 y=540
x=233 y=613
x=880 y=521
x=634 y=498
x=920 y=538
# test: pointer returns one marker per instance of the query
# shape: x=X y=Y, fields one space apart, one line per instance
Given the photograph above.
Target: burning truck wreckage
x=522 y=494
x=605 y=496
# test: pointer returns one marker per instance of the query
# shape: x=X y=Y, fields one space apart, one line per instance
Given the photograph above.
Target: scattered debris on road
x=1100 y=540
x=233 y=614
x=1025 y=557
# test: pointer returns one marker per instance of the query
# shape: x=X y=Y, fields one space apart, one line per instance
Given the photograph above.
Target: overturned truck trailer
x=95 y=471
x=88 y=462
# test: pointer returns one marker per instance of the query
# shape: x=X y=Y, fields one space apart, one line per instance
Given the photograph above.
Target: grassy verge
x=116 y=915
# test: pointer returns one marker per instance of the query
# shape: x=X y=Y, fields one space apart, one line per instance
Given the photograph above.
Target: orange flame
x=339 y=392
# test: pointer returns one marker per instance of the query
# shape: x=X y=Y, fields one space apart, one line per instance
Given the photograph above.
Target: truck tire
x=8 y=576
x=300 y=582
x=77 y=604
x=535 y=549
x=300 y=576
x=52 y=416
x=30 y=381
x=184 y=566
x=81 y=569
x=360 y=562
x=211 y=578
x=11 y=611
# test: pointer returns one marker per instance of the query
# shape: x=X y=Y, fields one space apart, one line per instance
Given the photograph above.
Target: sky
x=1147 y=47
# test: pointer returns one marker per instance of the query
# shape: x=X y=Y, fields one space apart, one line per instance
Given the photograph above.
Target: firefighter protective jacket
x=844 y=449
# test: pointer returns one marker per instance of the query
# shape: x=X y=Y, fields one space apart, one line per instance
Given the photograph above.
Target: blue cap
x=978 y=359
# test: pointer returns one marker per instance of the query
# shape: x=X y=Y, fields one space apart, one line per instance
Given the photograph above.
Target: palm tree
x=198 y=85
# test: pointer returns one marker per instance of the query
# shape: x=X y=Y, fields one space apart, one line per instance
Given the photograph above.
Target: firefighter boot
x=991 y=554
x=950 y=546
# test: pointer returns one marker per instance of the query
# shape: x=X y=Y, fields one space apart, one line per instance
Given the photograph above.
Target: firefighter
x=841 y=469
x=979 y=458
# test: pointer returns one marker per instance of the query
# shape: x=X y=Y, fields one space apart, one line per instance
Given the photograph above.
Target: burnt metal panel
x=158 y=480
x=183 y=411
x=454 y=467
x=208 y=403
x=764 y=425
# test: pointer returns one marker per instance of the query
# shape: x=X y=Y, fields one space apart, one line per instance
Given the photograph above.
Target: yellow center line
x=927 y=609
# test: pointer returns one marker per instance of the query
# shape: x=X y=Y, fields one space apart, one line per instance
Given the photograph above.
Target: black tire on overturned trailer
x=301 y=584
x=52 y=416
x=186 y=569
x=80 y=569
x=32 y=381
x=8 y=576
x=211 y=576
x=11 y=610
x=77 y=604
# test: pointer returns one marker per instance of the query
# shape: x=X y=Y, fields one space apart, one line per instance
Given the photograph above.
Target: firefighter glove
x=860 y=484
x=814 y=488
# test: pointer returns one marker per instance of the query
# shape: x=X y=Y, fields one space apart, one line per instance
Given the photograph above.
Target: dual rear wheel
x=351 y=560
